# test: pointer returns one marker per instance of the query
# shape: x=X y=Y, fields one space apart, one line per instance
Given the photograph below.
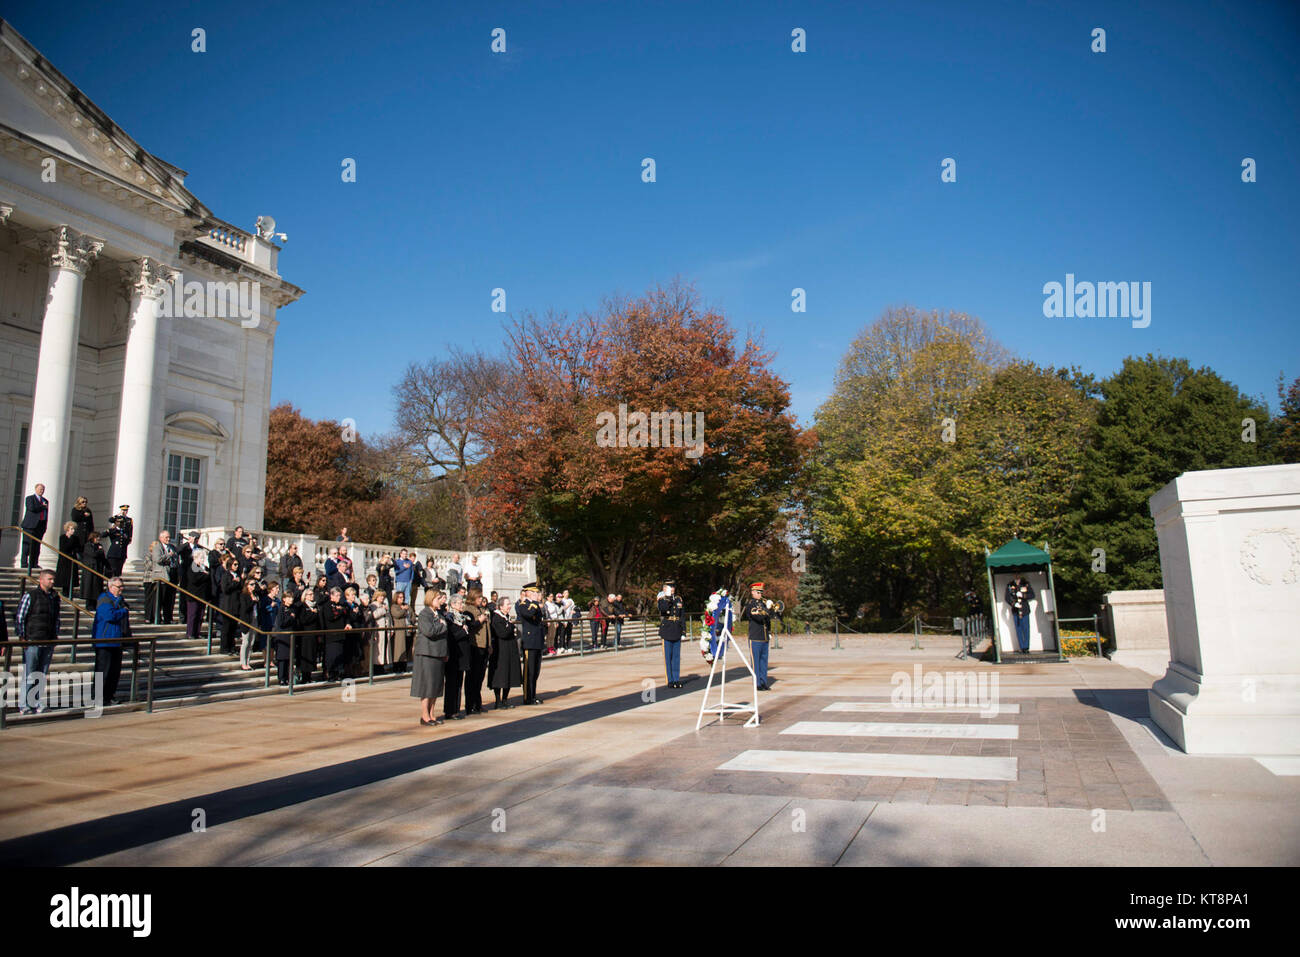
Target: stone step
x=194 y=696
x=1030 y=657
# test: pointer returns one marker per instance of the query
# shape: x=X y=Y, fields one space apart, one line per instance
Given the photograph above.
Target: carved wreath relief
x=1251 y=559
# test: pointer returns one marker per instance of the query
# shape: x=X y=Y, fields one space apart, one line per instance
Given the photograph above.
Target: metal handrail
x=107 y=577
x=267 y=635
x=135 y=660
x=77 y=612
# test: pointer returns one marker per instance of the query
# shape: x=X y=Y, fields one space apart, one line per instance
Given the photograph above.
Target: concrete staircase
x=184 y=673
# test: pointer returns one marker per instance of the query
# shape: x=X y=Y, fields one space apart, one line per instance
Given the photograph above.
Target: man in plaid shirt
x=37 y=620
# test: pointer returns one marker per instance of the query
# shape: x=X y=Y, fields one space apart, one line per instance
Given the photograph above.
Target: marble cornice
x=60 y=99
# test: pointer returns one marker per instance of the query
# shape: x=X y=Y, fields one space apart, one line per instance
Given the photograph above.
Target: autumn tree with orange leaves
x=320 y=476
x=640 y=513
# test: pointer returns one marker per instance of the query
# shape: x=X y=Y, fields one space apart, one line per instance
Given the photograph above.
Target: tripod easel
x=722 y=708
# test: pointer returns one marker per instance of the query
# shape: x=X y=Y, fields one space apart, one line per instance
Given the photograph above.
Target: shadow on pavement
x=118 y=832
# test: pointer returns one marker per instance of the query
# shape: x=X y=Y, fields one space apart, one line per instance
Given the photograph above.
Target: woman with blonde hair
x=430 y=657
x=85 y=520
x=381 y=640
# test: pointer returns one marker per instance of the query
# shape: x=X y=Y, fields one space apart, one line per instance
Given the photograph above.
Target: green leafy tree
x=880 y=504
x=814 y=605
x=1287 y=424
x=1020 y=447
x=1159 y=418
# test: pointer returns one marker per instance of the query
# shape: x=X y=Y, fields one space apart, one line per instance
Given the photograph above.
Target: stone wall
x=1136 y=621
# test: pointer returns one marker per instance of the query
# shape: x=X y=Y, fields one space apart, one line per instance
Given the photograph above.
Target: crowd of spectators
x=347 y=621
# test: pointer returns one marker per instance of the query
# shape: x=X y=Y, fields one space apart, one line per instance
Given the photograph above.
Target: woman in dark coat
x=430 y=656
x=93 y=556
x=231 y=585
x=358 y=617
x=458 y=660
x=85 y=521
x=309 y=625
x=334 y=621
x=506 y=671
x=384 y=576
x=248 y=600
x=480 y=643
x=286 y=624
x=201 y=585
x=63 y=567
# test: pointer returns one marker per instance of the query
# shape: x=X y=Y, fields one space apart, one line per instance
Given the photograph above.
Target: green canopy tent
x=1018 y=556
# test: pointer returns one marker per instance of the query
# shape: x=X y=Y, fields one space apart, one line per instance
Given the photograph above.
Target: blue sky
x=818 y=170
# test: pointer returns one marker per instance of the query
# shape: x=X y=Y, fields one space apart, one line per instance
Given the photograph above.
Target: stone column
x=71 y=256
x=147 y=281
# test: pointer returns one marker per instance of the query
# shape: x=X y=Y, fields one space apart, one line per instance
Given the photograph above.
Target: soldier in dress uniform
x=671 y=623
x=1019 y=594
x=532 y=638
x=759 y=615
x=121 y=531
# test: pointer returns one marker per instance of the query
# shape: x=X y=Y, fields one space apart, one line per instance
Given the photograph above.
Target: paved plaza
x=1063 y=767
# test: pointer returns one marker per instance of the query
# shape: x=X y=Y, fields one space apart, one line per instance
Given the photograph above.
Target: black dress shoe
x=458 y=717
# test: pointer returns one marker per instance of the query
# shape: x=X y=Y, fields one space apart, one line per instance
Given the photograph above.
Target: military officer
x=759 y=615
x=120 y=534
x=671 y=624
x=1019 y=594
x=532 y=638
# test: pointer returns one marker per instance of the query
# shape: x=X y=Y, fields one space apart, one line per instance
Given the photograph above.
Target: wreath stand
x=722 y=708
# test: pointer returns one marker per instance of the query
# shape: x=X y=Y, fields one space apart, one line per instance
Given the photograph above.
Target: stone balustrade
x=233 y=239
x=250 y=247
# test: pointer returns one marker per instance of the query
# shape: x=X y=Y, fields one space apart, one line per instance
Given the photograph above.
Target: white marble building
x=132 y=370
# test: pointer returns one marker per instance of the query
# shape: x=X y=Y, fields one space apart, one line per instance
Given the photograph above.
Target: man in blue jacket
x=403 y=574
x=112 y=620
